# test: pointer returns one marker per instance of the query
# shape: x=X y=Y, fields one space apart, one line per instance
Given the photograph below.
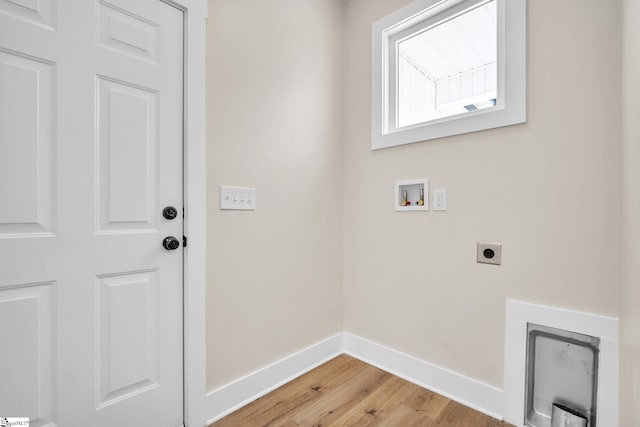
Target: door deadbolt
x=169 y=212
x=170 y=243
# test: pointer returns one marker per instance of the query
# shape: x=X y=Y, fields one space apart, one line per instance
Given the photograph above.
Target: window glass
x=448 y=68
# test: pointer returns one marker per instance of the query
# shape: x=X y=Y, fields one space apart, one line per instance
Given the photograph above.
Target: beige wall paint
x=630 y=384
x=274 y=280
x=549 y=190
x=289 y=112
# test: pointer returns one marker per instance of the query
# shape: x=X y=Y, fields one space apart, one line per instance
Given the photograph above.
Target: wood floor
x=348 y=392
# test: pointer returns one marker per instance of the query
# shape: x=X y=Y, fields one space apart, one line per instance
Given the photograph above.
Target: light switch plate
x=439 y=200
x=237 y=198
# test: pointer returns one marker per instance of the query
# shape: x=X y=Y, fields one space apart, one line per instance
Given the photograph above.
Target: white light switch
x=439 y=200
x=237 y=198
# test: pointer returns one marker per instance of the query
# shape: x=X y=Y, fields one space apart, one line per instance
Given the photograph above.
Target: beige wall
x=630 y=384
x=274 y=279
x=289 y=113
x=549 y=190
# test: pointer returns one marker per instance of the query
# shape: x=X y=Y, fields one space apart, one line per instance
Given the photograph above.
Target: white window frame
x=510 y=108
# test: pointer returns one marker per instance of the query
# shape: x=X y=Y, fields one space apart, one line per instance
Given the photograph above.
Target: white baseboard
x=233 y=396
x=472 y=393
x=467 y=391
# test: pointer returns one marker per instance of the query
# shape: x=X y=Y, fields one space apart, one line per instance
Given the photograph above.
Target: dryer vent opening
x=561 y=378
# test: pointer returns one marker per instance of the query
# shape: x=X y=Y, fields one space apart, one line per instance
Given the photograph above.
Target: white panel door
x=90 y=154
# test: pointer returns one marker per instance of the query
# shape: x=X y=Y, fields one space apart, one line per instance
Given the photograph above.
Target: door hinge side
x=184 y=241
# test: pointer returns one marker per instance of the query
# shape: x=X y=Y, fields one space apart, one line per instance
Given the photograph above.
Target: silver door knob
x=170 y=243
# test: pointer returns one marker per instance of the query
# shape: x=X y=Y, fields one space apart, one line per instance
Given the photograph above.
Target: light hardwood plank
x=406 y=417
x=276 y=406
x=374 y=409
x=333 y=405
x=457 y=415
x=427 y=402
x=346 y=392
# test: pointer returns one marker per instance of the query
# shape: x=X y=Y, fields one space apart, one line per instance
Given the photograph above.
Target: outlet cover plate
x=489 y=253
x=439 y=200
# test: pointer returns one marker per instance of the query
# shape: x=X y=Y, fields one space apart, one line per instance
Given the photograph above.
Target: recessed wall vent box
x=561 y=378
x=411 y=195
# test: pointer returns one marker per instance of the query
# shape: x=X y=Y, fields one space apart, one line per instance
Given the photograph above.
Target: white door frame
x=195 y=210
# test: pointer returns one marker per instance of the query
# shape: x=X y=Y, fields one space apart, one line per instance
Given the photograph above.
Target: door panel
x=127 y=33
x=91 y=152
x=27 y=316
x=26 y=130
x=127 y=345
x=127 y=156
x=41 y=13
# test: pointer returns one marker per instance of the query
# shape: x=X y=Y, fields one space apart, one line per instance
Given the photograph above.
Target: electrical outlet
x=439 y=200
x=489 y=253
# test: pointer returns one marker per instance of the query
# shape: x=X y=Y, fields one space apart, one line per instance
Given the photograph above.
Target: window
x=446 y=67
